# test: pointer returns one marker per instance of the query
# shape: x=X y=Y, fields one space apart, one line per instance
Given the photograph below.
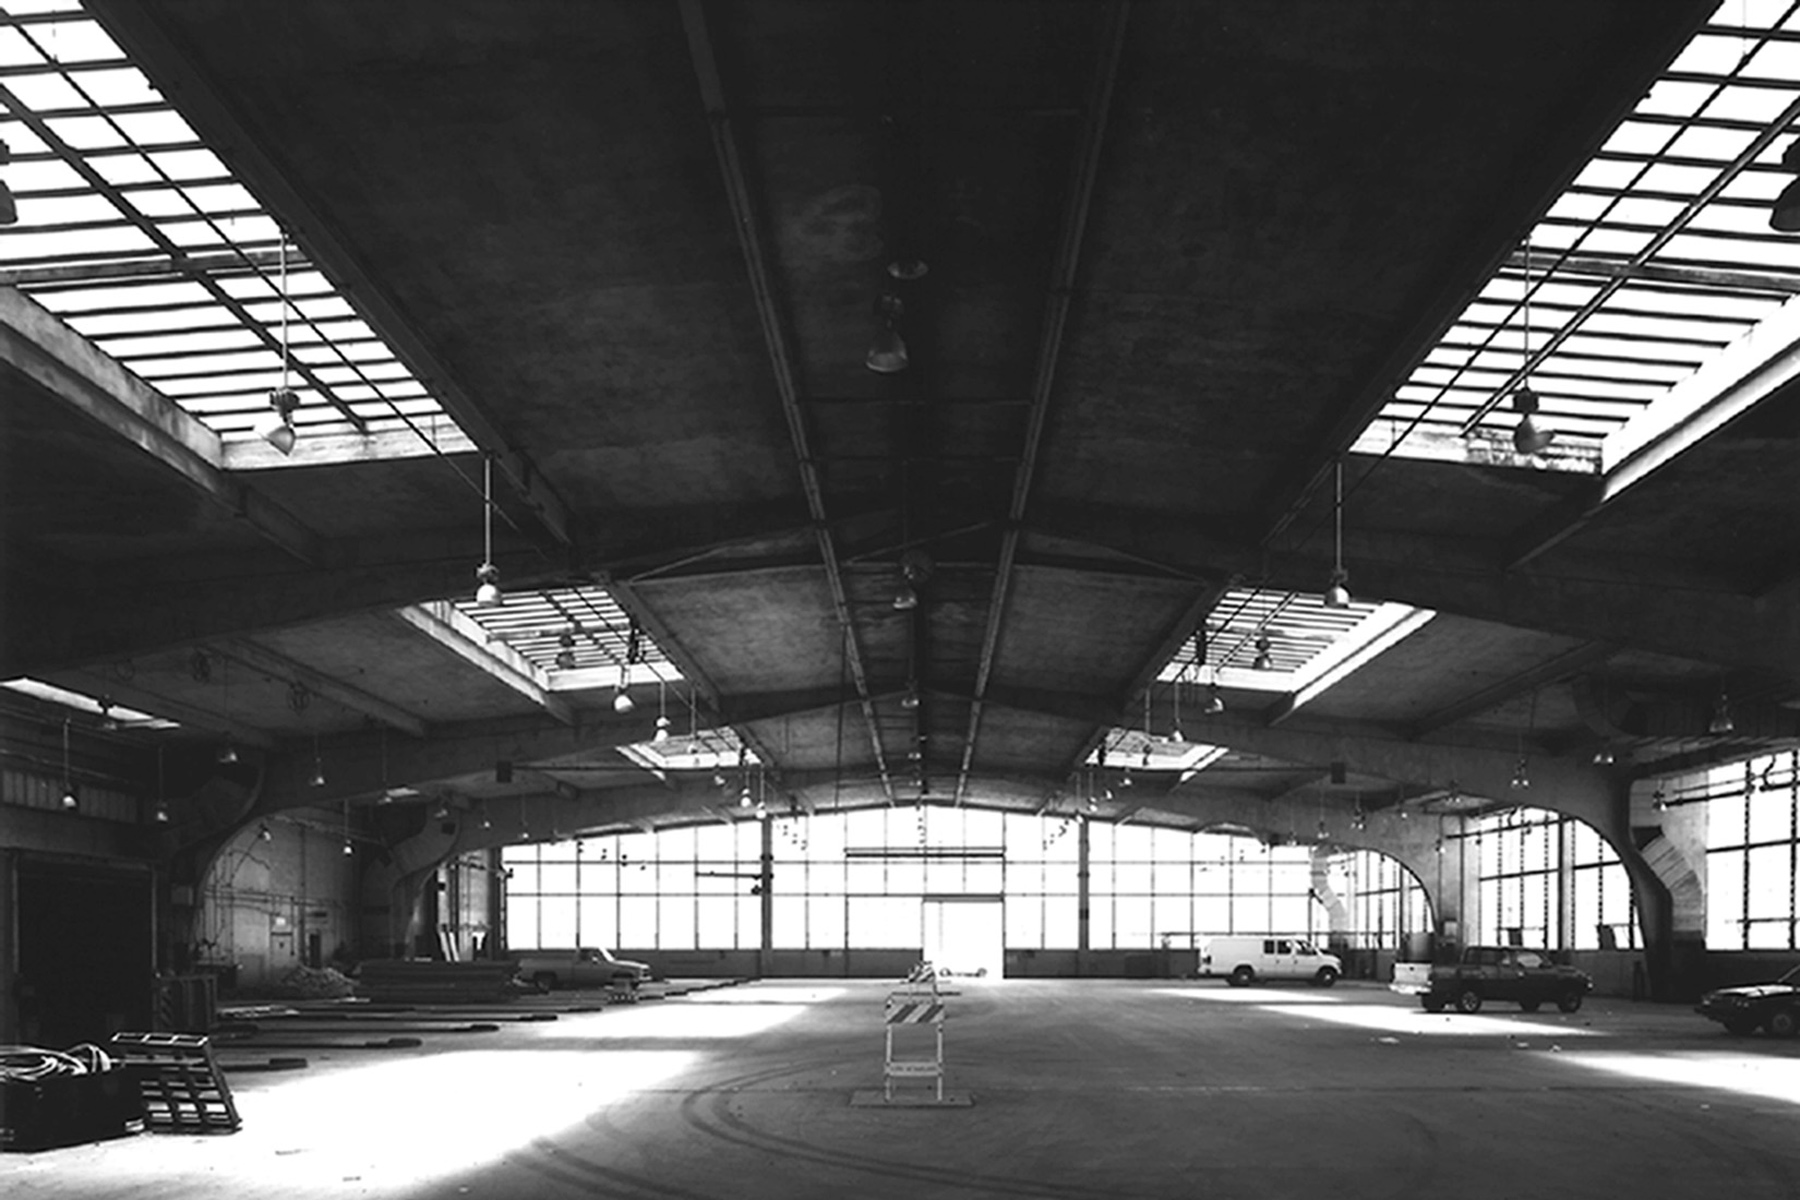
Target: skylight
x=1655 y=260
x=1260 y=640
x=578 y=637
x=110 y=714
x=133 y=232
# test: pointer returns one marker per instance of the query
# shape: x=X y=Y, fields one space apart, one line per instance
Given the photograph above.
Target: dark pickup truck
x=1526 y=977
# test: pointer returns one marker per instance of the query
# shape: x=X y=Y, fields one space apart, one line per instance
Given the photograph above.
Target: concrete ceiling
x=1178 y=254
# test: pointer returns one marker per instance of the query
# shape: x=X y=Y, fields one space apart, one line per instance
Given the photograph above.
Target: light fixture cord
x=284 y=313
x=1338 y=511
x=1525 y=362
x=487 y=508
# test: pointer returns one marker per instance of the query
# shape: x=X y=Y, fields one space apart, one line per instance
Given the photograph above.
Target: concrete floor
x=1090 y=1088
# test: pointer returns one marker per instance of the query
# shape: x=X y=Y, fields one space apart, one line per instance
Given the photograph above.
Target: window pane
x=825 y=923
x=714 y=925
x=1024 y=923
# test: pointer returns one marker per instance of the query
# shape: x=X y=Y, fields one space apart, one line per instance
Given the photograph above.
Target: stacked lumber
x=430 y=981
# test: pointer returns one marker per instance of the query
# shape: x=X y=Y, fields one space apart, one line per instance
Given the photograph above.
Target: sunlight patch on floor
x=1251 y=996
x=1746 y=1073
x=1388 y=1019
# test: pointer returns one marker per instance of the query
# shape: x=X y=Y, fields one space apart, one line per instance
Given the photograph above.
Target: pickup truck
x=1526 y=977
x=585 y=967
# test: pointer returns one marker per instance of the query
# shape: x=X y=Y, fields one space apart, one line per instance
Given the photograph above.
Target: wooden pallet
x=183 y=1089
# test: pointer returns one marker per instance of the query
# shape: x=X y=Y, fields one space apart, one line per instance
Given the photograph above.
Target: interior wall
x=277 y=895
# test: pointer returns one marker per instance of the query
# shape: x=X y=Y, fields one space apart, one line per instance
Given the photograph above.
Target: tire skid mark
x=721 y=1124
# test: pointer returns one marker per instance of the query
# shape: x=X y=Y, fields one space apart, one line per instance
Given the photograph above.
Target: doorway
x=966 y=935
x=86 y=947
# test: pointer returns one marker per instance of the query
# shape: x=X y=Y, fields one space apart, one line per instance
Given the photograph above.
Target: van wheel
x=1569 y=1001
x=1241 y=977
x=1783 y=1022
x=1468 y=1001
x=544 y=981
x=1326 y=977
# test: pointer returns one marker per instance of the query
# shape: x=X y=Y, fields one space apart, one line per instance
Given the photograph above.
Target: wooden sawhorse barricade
x=914 y=1004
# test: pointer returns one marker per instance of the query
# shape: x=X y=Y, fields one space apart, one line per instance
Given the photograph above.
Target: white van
x=1247 y=960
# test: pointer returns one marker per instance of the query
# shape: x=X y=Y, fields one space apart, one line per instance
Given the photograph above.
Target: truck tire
x=1468 y=1000
x=1431 y=1003
x=1242 y=976
x=1326 y=977
x=1569 y=1002
x=544 y=981
x=1783 y=1022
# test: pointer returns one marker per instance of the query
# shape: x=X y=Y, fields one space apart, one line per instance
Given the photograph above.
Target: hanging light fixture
x=1784 y=214
x=1528 y=436
x=318 y=770
x=9 y=208
x=227 y=753
x=1721 y=722
x=487 y=575
x=622 y=701
x=71 y=799
x=1338 y=594
x=1263 y=661
x=1521 y=778
x=887 y=350
x=1604 y=757
x=277 y=429
x=662 y=712
x=565 y=657
x=1215 y=700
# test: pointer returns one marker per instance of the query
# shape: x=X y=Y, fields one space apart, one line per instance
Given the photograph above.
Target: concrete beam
x=261 y=658
x=443 y=624
x=139 y=30
x=1573 y=662
x=451 y=757
x=65 y=365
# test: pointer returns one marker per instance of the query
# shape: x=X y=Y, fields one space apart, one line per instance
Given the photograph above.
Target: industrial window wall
x=1752 y=843
x=1552 y=881
x=857 y=880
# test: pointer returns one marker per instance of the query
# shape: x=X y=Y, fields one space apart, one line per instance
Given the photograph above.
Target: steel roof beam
x=1060 y=295
x=735 y=175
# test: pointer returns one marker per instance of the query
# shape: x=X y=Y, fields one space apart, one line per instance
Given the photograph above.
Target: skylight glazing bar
x=1665 y=234
x=115 y=190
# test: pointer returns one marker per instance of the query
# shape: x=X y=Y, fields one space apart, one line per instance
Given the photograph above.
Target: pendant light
x=1338 y=594
x=71 y=800
x=1528 y=436
x=487 y=575
x=662 y=712
x=277 y=428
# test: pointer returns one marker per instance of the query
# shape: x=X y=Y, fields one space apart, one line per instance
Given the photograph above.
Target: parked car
x=1526 y=977
x=585 y=967
x=1247 y=960
x=1773 y=1007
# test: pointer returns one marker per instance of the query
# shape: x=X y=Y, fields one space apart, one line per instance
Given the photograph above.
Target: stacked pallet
x=429 y=981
